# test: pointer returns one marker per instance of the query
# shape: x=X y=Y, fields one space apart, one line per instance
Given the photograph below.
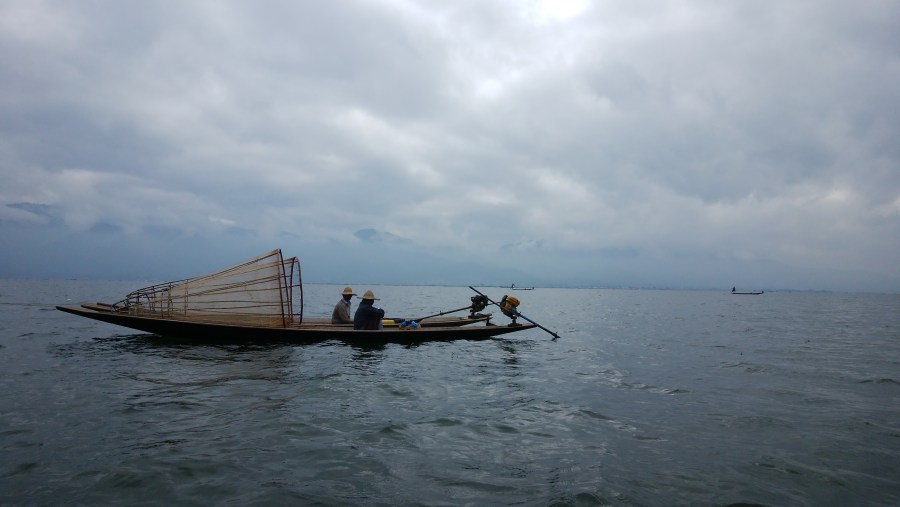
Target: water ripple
x=650 y=398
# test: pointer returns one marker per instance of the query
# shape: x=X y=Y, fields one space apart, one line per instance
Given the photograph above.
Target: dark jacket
x=367 y=316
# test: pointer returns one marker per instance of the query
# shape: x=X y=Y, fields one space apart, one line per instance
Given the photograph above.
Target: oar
x=517 y=314
x=445 y=313
x=478 y=304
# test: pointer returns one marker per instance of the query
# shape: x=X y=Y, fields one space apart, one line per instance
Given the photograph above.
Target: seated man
x=367 y=316
x=341 y=313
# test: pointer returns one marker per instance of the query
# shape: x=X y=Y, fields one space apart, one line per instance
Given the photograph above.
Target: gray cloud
x=697 y=144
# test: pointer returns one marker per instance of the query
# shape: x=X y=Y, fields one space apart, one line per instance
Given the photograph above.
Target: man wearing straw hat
x=341 y=313
x=367 y=316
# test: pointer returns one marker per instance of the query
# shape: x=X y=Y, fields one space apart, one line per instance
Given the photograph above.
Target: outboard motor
x=478 y=303
x=508 y=306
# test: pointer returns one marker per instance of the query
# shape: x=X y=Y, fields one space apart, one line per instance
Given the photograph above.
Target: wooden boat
x=256 y=300
x=748 y=293
x=295 y=332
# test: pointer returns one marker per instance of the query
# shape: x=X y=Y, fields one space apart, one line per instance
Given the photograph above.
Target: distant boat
x=513 y=287
x=749 y=293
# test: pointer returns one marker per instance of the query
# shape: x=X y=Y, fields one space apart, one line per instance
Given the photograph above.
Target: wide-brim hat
x=348 y=292
x=369 y=295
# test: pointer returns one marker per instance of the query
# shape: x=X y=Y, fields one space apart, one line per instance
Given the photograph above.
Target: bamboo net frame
x=258 y=292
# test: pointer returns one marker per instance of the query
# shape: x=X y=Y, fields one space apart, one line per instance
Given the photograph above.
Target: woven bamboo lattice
x=258 y=292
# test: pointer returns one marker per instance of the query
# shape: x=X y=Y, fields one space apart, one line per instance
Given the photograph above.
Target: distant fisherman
x=341 y=313
x=367 y=316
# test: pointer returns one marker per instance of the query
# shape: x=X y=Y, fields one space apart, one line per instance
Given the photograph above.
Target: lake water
x=648 y=398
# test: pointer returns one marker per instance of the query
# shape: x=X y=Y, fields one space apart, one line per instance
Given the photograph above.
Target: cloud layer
x=698 y=144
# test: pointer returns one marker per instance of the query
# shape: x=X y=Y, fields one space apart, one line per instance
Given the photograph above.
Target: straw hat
x=369 y=295
x=348 y=292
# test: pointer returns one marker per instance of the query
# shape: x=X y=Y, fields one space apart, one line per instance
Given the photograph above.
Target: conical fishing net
x=258 y=292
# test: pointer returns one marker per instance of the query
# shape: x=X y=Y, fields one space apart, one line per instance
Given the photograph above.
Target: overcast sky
x=683 y=144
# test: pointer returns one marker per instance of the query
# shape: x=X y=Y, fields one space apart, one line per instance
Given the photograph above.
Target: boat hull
x=303 y=333
x=393 y=322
